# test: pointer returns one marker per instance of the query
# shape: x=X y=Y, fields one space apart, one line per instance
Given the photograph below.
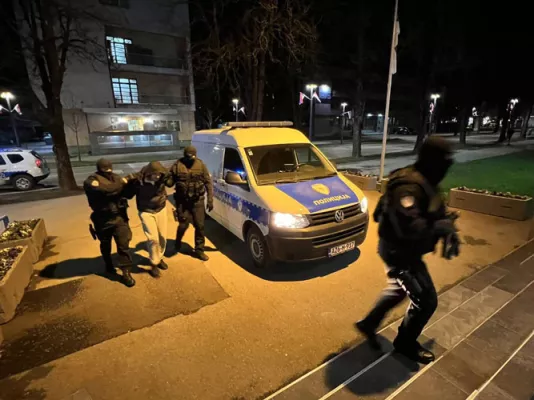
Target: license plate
x=335 y=251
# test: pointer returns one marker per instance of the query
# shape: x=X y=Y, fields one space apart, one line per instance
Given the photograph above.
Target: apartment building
x=142 y=98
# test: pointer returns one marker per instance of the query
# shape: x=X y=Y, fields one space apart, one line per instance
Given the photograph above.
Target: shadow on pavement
x=382 y=378
x=18 y=388
x=236 y=250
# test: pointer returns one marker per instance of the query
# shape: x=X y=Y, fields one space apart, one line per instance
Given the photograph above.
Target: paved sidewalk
x=482 y=335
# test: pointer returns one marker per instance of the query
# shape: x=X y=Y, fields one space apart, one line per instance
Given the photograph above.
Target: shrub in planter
x=31 y=233
x=363 y=181
x=15 y=272
x=500 y=204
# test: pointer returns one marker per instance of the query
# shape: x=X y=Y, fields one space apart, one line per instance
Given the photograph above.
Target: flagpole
x=388 y=97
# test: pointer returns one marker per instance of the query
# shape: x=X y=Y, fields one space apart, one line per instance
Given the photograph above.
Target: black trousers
x=192 y=214
x=117 y=229
x=407 y=276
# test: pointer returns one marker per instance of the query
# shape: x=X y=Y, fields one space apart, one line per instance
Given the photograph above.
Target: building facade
x=139 y=96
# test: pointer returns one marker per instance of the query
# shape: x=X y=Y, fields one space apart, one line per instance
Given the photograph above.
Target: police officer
x=412 y=219
x=106 y=195
x=193 y=182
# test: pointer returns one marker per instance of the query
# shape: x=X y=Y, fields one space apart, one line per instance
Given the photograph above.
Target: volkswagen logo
x=339 y=215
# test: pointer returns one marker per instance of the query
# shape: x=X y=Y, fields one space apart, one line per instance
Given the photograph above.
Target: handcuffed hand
x=451 y=246
x=209 y=207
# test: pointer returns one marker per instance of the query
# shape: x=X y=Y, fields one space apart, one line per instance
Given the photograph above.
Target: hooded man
x=193 y=182
x=149 y=188
x=106 y=197
x=412 y=219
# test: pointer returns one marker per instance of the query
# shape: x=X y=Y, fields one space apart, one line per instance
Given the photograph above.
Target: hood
x=308 y=197
x=154 y=167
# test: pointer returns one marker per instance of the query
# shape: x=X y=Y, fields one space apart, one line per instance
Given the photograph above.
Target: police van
x=22 y=169
x=277 y=192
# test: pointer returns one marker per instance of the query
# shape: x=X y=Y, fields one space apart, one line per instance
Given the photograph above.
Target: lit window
x=117 y=48
x=125 y=90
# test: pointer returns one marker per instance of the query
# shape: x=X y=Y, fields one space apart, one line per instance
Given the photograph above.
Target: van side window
x=232 y=161
x=15 y=158
x=2 y=161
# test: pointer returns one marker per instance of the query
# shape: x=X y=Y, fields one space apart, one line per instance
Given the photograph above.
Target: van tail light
x=38 y=162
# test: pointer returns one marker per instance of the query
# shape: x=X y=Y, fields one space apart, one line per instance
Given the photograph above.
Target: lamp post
x=434 y=97
x=8 y=96
x=236 y=108
x=311 y=87
x=344 y=119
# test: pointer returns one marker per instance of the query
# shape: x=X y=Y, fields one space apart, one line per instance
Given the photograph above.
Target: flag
x=17 y=109
x=316 y=97
x=302 y=96
x=2 y=108
x=242 y=109
x=393 y=66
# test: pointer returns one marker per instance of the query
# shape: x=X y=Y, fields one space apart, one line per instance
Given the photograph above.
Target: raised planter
x=34 y=243
x=364 y=182
x=513 y=207
x=14 y=282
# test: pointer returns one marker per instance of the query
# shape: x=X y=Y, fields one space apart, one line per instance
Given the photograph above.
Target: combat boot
x=110 y=269
x=163 y=265
x=154 y=272
x=369 y=334
x=127 y=277
x=201 y=255
x=414 y=352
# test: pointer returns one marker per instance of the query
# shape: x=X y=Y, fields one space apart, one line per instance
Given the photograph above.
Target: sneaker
x=155 y=272
x=415 y=353
x=201 y=255
x=163 y=265
x=369 y=334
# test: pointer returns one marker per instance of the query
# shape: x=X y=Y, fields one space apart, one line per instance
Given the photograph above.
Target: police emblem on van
x=322 y=189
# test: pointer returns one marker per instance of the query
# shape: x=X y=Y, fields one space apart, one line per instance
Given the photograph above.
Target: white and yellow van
x=277 y=192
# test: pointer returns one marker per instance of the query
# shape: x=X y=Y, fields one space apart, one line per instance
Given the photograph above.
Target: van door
x=212 y=156
x=236 y=195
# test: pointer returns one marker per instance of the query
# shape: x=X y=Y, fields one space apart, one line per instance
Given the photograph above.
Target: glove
x=451 y=246
x=209 y=206
x=444 y=227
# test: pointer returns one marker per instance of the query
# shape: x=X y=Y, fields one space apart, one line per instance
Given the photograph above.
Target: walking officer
x=412 y=220
x=106 y=195
x=193 y=182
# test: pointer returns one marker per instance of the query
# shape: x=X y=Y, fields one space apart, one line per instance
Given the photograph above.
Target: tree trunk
x=61 y=151
x=524 y=127
x=423 y=123
x=261 y=88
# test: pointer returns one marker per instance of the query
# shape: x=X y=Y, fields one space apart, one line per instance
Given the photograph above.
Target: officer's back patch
x=407 y=201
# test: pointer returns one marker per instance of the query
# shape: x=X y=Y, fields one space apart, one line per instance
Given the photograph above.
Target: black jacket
x=408 y=211
x=192 y=182
x=108 y=198
x=151 y=197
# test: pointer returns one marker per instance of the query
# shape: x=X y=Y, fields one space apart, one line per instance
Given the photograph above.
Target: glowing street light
x=8 y=96
x=434 y=97
x=236 y=109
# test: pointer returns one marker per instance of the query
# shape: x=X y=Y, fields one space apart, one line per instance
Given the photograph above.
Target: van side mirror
x=233 y=178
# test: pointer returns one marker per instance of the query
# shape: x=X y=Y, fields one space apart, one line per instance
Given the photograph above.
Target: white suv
x=22 y=169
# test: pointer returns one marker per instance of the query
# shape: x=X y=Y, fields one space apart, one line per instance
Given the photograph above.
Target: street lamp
x=434 y=97
x=236 y=108
x=344 y=119
x=8 y=96
x=311 y=87
x=511 y=106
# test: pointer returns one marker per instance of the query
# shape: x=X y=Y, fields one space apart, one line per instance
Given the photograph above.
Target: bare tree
x=51 y=32
x=257 y=34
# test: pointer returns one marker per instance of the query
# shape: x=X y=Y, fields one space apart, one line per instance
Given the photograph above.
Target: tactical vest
x=190 y=185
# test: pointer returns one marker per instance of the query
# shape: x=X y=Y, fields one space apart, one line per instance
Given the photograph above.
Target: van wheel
x=23 y=182
x=258 y=248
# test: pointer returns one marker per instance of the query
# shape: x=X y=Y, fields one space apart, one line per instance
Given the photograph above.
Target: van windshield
x=287 y=163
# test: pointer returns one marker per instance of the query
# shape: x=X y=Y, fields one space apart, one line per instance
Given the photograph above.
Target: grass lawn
x=509 y=173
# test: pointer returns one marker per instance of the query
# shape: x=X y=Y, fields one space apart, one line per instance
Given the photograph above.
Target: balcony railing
x=153 y=99
x=153 y=61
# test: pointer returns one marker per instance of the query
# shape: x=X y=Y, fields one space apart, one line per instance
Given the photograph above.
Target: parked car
x=403 y=130
x=22 y=169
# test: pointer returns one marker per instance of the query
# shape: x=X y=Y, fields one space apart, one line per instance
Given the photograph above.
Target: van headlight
x=294 y=221
x=364 y=204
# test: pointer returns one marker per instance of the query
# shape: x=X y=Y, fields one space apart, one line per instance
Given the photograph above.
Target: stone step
x=362 y=372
